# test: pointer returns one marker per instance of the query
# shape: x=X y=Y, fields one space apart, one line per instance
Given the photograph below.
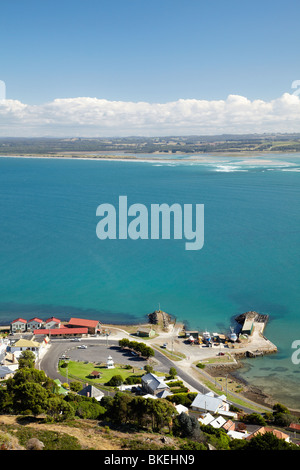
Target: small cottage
x=92 y=392
x=153 y=385
x=34 y=324
x=52 y=323
x=146 y=332
x=18 y=326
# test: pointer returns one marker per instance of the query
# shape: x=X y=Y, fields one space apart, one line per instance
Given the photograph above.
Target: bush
x=88 y=410
x=133 y=379
x=182 y=398
x=76 y=386
x=51 y=439
x=175 y=384
x=255 y=418
x=200 y=365
x=115 y=381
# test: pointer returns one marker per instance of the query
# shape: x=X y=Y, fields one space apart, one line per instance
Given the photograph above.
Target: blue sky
x=155 y=51
x=152 y=51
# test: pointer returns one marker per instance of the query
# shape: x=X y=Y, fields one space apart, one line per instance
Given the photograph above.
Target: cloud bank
x=93 y=117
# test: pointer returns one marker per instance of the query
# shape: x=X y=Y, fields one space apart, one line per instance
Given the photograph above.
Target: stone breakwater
x=253 y=343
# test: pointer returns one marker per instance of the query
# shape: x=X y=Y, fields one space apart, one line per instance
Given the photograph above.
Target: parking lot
x=98 y=353
x=95 y=352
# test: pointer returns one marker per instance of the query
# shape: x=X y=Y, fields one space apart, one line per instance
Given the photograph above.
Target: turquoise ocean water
x=52 y=263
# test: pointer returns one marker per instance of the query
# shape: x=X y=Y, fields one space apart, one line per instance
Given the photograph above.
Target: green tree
x=115 y=381
x=268 y=441
x=75 y=386
x=124 y=343
x=6 y=402
x=59 y=409
x=172 y=372
x=162 y=413
x=119 y=412
x=90 y=410
x=278 y=408
x=186 y=426
x=30 y=397
x=255 y=418
x=148 y=368
x=27 y=359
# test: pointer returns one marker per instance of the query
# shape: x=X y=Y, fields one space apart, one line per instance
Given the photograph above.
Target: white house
x=24 y=345
x=52 y=323
x=238 y=434
x=34 y=324
x=181 y=409
x=208 y=402
x=218 y=422
x=18 y=326
x=207 y=418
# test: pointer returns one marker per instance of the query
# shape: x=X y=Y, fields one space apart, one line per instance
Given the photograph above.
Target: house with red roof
x=34 y=324
x=294 y=427
x=52 y=322
x=18 y=326
x=275 y=432
x=93 y=326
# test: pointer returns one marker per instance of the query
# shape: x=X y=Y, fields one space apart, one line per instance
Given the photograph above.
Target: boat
x=232 y=336
x=206 y=336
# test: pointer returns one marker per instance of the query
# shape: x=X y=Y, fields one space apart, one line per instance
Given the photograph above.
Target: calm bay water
x=52 y=263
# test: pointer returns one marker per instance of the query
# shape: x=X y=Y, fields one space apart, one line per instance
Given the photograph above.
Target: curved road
x=49 y=363
x=50 y=360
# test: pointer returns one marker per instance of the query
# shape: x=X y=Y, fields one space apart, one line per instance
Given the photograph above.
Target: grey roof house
x=211 y=403
x=5 y=372
x=153 y=384
x=91 y=391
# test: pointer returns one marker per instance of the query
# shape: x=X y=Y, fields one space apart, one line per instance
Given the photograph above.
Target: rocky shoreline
x=250 y=392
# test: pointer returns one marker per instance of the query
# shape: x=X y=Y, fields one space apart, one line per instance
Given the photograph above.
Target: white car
x=82 y=346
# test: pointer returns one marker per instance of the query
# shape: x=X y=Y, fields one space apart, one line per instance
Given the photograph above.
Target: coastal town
x=185 y=368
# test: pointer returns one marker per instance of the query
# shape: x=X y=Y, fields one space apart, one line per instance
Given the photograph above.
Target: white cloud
x=95 y=117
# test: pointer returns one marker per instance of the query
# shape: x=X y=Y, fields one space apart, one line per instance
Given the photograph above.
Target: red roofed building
x=275 y=432
x=52 y=323
x=34 y=323
x=18 y=326
x=61 y=331
x=294 y=427
x=93 y=325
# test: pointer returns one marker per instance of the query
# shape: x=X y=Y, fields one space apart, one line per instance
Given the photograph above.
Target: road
x=98 y=351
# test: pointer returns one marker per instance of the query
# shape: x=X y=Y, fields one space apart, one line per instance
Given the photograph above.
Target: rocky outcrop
x=252 y=315
x=158 y=317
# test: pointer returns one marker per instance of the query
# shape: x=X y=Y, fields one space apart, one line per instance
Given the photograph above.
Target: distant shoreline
x=160 y=157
